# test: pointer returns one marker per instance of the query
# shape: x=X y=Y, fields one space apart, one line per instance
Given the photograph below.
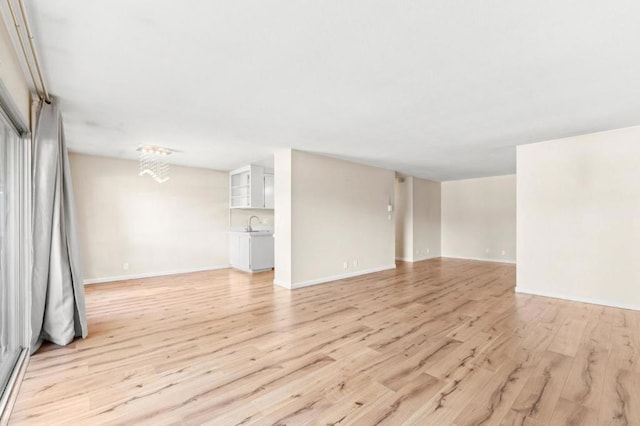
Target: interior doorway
x=404 y=225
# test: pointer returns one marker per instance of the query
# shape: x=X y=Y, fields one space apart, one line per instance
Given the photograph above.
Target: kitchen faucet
x=249 y=228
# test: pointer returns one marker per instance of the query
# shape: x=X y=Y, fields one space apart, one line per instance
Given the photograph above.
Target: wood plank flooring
x=439 y=342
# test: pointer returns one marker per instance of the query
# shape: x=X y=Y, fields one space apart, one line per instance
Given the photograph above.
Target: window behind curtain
x=9 y=247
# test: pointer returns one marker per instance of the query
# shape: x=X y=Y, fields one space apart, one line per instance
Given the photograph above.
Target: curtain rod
x=34 y=55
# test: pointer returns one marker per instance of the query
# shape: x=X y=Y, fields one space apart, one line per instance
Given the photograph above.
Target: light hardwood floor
x=434 y=343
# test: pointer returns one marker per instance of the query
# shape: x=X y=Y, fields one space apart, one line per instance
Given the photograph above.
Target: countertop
x=254 y=233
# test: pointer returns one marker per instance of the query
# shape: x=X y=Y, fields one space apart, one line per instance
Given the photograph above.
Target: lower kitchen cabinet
x=251 y=251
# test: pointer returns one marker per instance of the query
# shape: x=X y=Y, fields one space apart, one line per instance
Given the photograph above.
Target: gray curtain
x=58 y=309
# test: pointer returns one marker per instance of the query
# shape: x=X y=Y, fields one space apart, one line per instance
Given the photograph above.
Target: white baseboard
x=421 y=258
x=308 y=283
x=250 y=271
x=481 y=259
x=151 y=274
x=282 y=284
x=591 y=300
x=417 y=259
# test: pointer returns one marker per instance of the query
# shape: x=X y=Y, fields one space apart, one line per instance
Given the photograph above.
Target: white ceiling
x=437 y=89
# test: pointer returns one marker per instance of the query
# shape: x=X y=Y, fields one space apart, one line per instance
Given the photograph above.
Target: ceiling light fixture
x=153 y=162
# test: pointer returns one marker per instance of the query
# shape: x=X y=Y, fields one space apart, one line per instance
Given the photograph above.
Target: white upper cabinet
x=250 y=188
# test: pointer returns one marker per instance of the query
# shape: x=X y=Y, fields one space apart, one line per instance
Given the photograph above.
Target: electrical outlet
x=345 y=264
x=428 y=249
x=125 y=266
x=504 y=252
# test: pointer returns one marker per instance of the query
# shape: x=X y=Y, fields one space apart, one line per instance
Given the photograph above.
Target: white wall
x=404 y=217
x=338 y=214
x=283 y=218
x=427 y=223
x=579 y=218
x=180 y=225
x=12 y=76
x=479 y=218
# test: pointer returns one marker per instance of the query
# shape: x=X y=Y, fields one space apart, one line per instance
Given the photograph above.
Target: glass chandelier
x=153 y=162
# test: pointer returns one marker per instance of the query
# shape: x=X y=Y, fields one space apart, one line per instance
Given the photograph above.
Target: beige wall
x=404 y=217
x=338 y=214
x=180 y=225
x=579 y=218
x=479 y=218
x=12 y=76
x=427 y=224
